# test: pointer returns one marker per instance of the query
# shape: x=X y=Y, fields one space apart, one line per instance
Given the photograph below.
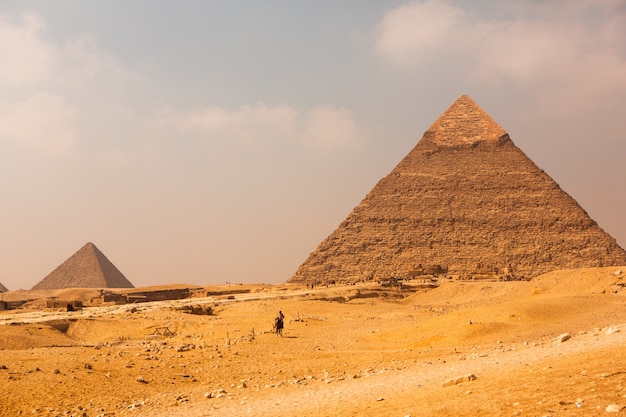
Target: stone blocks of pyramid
x=87 y=268
x=3 y=288
x=466 y=199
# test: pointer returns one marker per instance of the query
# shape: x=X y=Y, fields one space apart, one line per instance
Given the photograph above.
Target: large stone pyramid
x=3 y=288
x=464 y=199
x=87 y=268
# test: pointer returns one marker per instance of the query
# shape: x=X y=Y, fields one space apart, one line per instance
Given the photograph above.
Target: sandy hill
x=87 y=268
x=547 y=347
x=467 y=199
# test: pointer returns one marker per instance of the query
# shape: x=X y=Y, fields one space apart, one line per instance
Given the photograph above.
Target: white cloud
x=44 y=122
x=330 y=127
x=84 y=62
x=59 y=94
x=569 y=56
x=412 y=30
x=25 y=58
x=52 y=92
x=247 y=123
x=544 y=42
x=325 y=126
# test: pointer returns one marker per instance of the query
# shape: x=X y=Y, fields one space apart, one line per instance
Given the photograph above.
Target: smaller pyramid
x=3 y=288
x=87 y=268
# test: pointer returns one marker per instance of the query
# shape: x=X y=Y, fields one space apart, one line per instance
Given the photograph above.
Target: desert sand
x=552 y=346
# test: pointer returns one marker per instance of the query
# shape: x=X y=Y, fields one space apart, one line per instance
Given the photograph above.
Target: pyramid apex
x=464 y=122
x=88 y=247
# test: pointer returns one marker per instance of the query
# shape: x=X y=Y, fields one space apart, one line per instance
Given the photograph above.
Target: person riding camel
x=279 y=323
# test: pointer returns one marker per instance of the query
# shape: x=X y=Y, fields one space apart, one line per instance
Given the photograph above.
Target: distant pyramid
x=87 y=268
x=466 y=199
x=3 y=288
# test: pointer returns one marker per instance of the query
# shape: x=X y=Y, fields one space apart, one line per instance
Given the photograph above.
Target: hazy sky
x=202 y=142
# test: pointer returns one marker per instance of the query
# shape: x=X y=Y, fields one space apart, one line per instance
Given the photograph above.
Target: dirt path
x=386 y=390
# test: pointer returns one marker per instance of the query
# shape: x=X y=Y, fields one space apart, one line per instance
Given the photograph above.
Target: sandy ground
x=465 y=348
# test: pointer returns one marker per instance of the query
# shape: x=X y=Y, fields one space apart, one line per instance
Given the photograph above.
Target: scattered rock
x=613 y=408
x=458 y=380
x=197 y=309
x=563 y=338
x=182 y=399
x=136 y=405
x=218 y=393
x=141 y=379
x=88 y=366
x=612 y=330
x=186 y=347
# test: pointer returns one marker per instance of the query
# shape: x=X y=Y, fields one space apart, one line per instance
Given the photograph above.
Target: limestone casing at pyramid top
x=464 y=123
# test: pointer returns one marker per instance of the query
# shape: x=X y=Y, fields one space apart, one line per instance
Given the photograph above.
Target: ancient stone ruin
x=466 y=201
x=87 y=268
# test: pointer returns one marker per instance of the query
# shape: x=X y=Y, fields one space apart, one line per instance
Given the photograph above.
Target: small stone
x=458 y=380
x=612 y=330
x=563 y=337
x=88 y=366
x=613 y=408
x=141 y=379
x=218 y=393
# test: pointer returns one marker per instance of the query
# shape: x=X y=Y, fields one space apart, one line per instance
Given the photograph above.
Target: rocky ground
x=554 y=346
